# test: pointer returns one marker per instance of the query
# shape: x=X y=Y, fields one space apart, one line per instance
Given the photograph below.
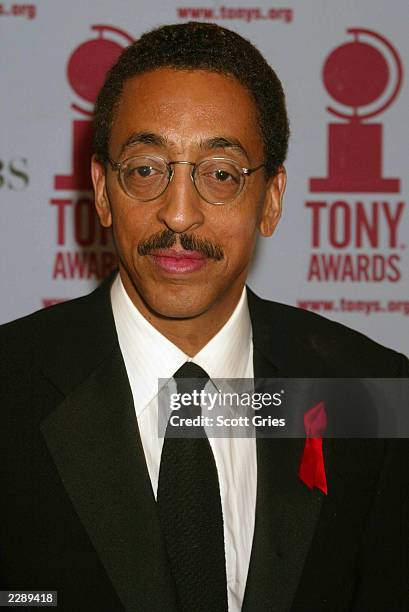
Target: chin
x=172 y=307
x=177 y=300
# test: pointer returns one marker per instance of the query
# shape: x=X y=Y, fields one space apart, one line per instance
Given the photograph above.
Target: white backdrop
x=341 y=246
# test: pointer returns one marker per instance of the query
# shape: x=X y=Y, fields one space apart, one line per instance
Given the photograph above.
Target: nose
x=181 y=210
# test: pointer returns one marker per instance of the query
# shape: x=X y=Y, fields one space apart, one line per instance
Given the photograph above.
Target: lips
x=178 y=261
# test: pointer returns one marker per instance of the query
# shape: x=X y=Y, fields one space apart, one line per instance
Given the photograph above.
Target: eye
x=222 y=175
x=143 y=170
x=140 y=170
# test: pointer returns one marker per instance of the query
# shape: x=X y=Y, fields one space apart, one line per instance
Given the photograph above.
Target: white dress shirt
x=149 y=356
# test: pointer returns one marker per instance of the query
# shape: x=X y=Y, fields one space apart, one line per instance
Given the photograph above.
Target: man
x=190 y=136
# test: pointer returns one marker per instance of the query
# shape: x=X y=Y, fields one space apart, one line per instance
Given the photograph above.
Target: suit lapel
x=286 y=510
x=94 y=441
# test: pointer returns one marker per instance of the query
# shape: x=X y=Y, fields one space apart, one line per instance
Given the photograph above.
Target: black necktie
x=190 y=511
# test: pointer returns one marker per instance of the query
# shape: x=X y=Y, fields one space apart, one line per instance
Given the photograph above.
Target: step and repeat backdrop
x=341 y=248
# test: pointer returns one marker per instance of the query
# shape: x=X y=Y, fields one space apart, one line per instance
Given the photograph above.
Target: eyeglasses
x=146 y=177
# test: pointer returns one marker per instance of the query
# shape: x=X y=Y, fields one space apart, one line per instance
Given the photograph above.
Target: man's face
x=186 y=116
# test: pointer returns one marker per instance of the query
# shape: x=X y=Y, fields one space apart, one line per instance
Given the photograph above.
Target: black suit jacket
x=77 y=511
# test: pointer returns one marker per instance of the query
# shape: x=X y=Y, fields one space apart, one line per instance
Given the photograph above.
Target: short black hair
x=200 y=46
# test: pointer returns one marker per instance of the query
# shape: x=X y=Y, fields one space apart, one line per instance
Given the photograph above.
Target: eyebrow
x=217 y=142
x=221 y=142
x=143 y=138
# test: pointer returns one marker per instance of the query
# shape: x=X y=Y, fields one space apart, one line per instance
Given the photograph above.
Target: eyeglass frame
x=118 y=166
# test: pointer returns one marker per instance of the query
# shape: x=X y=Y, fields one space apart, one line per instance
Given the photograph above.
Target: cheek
x=239 y=232
x=130 y=226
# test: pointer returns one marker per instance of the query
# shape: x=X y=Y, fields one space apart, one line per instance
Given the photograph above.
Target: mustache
x=167 y=239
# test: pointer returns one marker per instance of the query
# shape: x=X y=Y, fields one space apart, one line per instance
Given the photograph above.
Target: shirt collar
x=149 y=356
x=226 y=354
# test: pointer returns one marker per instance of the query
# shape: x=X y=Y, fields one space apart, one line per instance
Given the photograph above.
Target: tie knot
x=190 y=370
x=196 y=375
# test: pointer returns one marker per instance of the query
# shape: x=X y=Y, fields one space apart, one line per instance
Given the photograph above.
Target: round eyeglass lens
x=218 y=180
x=145 y=178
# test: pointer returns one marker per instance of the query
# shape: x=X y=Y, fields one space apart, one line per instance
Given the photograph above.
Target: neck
x=188 y=334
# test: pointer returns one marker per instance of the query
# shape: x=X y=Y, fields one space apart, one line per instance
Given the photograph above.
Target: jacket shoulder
x=342 y=348
x=71 y=331
x=39 y=325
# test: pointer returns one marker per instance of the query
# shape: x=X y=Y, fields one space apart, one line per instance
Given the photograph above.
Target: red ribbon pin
x=312 y=468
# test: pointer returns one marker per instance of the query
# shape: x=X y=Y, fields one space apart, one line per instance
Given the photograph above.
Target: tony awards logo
x=366 y=77
x=76 y=221
x=357 y=237
x=86 y=71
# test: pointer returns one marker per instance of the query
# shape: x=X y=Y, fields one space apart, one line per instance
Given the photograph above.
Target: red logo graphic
x=358 y=74
x=85 y=249
x=86 y=72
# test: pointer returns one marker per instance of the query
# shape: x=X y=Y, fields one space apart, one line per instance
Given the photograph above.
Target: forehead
x=186 y=107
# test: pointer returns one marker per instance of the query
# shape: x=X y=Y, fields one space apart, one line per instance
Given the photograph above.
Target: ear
x=271 y=209
x=101 y=197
